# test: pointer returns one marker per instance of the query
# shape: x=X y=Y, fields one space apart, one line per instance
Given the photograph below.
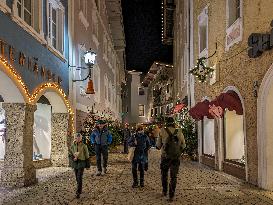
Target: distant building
x=160 y=93
x=134 y=99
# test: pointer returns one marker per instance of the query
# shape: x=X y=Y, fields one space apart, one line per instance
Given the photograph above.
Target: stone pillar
x=59 y=147
x=18 y=169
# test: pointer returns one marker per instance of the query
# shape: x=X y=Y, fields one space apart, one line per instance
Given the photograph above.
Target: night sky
x=142 y=25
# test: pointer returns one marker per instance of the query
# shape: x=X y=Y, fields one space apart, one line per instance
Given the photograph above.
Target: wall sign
x=259 y=43
x=29 y=63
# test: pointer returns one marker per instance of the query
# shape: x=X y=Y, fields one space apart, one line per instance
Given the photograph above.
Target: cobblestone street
x=196 y=185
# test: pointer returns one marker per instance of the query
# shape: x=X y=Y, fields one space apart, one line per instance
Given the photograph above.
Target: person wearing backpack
x=171 y=142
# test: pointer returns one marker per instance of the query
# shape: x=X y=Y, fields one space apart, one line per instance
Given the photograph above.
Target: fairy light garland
x=201 y=71
x=33 y=98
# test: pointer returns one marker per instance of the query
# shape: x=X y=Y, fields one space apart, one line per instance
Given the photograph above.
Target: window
x=28 y=11
x=83 y=7
x=152 y=112
x=203 y=32
x=155 y=111
x=234 y=31
x=141 y=110
x=56 y=24
x=141 y=91
x=233 y=11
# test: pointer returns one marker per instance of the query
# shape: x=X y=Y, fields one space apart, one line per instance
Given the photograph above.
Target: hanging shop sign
x=259 y=43
x=27 y=62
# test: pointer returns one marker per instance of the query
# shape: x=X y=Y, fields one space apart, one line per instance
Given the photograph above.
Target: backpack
x=173 y=148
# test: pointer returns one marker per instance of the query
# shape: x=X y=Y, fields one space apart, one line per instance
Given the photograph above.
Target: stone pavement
x=197 y=184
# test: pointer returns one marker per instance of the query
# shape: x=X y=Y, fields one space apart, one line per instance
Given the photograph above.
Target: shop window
x=141 y=110
x=208 y=137
x=203 y=32
x=56 y=25
x=42 y=131
x=141 y=91
x=234 y=137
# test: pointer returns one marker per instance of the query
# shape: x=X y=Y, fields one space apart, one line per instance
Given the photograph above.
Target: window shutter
x=60 y=28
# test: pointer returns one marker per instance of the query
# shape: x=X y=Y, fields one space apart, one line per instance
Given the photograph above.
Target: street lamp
x=89 y=59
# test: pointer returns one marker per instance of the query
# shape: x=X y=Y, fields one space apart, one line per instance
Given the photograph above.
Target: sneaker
x=98 y=173
x=135 y=185
x=163 y=194
x=103 y=171
x=170 y=199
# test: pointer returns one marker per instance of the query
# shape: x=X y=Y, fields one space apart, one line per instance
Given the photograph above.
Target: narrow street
x=197 y=184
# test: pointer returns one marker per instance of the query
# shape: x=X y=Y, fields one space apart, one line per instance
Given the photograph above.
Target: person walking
x=142 y=144
x=79 y=155
x=126 y=136
x=101 y=138
x=171 y=142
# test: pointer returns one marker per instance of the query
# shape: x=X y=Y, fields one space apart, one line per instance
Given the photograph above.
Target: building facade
x=134 y=99
x=34 y=85
x=97 y=27
x=235 y=39
x=160 y=91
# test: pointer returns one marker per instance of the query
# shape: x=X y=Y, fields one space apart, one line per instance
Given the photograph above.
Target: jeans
x=173 y=166
x=79 y=174
x=140 y=167
x=101 y=150
x=125 y=144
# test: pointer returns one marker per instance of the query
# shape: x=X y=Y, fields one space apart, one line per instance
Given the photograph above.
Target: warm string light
x=32 y=99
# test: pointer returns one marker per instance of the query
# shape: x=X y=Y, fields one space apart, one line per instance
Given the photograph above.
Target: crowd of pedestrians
x=169 y=139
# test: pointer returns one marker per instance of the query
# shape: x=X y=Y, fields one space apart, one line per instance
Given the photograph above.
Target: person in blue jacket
x=101 y=138
x=142 y=144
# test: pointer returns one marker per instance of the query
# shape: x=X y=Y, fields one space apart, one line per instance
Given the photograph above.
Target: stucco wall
x=239 y=71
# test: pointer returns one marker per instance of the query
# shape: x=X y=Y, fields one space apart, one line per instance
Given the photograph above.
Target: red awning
x=229 y=100
x=200 y=110
x=178 y=108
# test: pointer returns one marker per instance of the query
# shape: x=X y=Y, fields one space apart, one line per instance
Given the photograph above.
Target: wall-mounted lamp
x=255 y=88
x=90 y=60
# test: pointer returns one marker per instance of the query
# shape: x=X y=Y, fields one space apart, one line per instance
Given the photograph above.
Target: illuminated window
x=141 y=110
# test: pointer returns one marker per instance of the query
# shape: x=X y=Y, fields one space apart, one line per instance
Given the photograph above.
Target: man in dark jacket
x=101 y=138
x=126 y=136
x=167 y=161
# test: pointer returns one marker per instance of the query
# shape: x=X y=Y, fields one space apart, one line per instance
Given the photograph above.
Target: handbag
x=131 y=153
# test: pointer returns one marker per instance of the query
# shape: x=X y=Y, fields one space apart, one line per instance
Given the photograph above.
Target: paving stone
x=197 y=184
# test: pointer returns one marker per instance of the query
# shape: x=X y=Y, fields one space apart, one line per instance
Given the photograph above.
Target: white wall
x=8 y=90
x=234 y=129
x=208 y=137
x=269 y=134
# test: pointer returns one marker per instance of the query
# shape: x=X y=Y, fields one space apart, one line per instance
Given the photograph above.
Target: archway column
x=59 y=143
x=18 y=169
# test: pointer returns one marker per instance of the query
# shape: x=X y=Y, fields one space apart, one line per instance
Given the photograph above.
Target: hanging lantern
x=90 y=87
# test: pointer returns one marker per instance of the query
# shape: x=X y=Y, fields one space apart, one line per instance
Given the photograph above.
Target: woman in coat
x=142 y=144
x=79 y=155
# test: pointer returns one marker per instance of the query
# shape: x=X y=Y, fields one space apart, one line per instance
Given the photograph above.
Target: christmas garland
x=201 y=71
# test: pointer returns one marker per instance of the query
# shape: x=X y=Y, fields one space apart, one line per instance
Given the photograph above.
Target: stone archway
x=59 y=121
x=17 y=167
x=265 y=131
x=237 y=136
